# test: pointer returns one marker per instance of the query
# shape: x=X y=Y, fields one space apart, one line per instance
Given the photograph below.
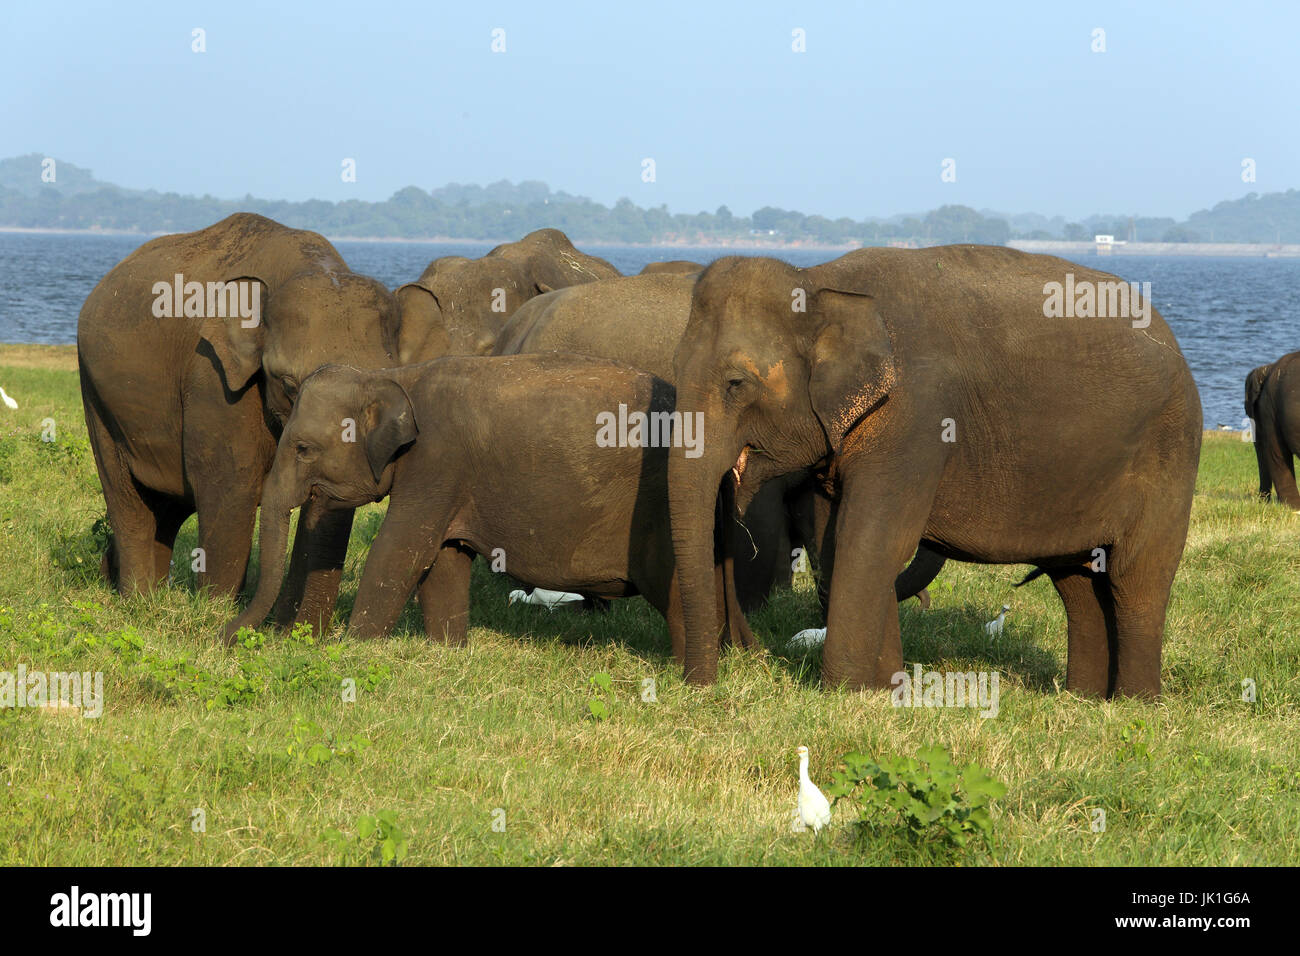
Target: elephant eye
x=290 y=388
x=303 y=449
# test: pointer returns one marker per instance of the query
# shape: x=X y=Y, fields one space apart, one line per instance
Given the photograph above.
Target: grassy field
x=487 y=754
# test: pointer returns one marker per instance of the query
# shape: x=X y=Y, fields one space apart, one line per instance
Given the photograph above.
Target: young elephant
x=191 y=351
x=1273 y=403
x=485 y=453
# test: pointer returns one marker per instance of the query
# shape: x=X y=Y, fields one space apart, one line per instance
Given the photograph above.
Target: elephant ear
x=422 y=333
x=390 y=424
x=1254 y=385
x=238 y=347
x=851 y=358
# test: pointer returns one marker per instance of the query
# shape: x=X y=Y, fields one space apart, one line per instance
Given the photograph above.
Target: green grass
x=702 y=776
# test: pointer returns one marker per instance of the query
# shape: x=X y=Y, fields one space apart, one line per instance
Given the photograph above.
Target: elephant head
x=459 y=306
x=1254 y=385
x=339 y=443
x=310 y=320
x=778 y=364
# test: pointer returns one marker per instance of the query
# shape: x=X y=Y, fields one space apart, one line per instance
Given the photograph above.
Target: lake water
x=1229 y=314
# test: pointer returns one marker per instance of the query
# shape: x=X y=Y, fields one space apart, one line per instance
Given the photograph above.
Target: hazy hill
x=22 y=174
x=77 y=200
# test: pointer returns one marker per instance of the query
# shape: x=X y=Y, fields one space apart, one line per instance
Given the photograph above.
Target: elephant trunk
x=273 y=539
x=736 y=631
x=692 y=499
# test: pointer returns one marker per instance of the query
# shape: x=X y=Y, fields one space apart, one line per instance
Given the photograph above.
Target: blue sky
x=857 y=125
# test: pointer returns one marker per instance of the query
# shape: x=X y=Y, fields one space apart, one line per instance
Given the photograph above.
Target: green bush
x=928 y=796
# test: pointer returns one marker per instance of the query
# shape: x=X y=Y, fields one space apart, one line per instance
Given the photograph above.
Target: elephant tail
x=914 y=579
x=1036 y=573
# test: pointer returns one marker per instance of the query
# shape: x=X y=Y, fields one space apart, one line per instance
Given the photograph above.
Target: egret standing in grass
x=809 y=637
x=814 y=808
x=994 y=627
x=9 y=402
x=548 y=599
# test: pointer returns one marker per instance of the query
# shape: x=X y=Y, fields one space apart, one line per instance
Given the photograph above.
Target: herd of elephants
x=885 y=411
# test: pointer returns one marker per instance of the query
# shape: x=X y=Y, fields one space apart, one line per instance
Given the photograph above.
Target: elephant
x=672 y=266
x=1273 y=404
x=955 y=412
x=458 y=305
x=191 y=351
x=634 y=319
x=639 y=320
x=504 y=455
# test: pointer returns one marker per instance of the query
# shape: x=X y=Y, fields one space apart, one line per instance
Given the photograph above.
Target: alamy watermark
x=53 y=689
x=924 y=688
x=130 y=910
x=651 y=430
x=209 y=300
x=1098 y=300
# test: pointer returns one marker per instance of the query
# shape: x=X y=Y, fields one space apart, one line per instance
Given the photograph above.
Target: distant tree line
x=506 y=210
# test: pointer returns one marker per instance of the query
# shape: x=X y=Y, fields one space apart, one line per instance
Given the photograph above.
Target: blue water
x=1229 y=314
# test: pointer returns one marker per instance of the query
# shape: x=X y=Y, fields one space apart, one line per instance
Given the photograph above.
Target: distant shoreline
x=452 y=240
x=1060 y=247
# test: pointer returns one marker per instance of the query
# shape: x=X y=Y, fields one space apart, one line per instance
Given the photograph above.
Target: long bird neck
x=803 y=769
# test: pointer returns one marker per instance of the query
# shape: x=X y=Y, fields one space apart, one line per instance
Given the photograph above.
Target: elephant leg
x=169 y=515
x=735 y=627
x=1288 y=443
x=1275 y=459
x=822 y=555
x=227 y=512
x=864 y=645
x=760 y=543
x=444 y=595
x=1090 y=630
x=315 y=566
x=405 y=548
x=135 y=529
x=1262 y=462
x=1141 y=580
x=130 y=563
x=736 y=630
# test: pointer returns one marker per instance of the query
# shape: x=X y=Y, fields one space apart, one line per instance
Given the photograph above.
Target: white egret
x=814 y=808
x=994 y=627
x=548 y=599
x=4 y=396
x=809 y=637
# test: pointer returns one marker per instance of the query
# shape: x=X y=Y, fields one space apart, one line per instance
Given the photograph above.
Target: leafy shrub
x=314 y=747
x=1133 y=743
x=80 y=551
x=928 y=796
x=602 y=686
x=378 y=839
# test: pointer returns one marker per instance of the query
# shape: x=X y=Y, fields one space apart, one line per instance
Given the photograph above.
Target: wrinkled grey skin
x=679 y=266
x=1273 y=403
x=1097 y=448
x=184 y=412
x=478 y=454
x=458 y=306
x=639 y=320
